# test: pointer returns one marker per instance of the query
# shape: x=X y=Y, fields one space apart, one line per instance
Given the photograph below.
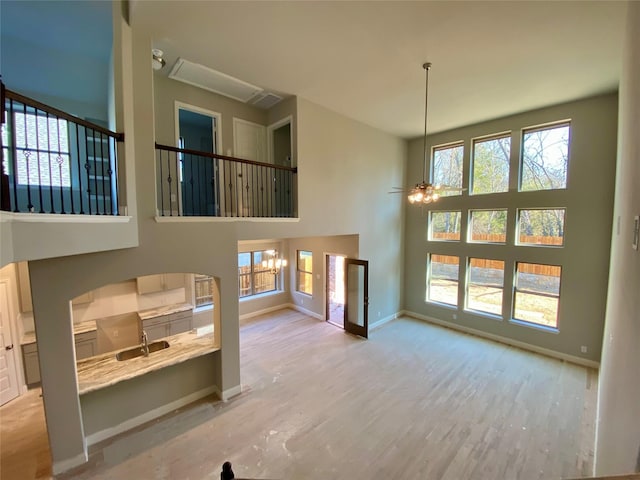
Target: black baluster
x=169 y=180
x=14 y=156
x=59 y=160
x=159 y=159
x=104 y=197
x=79 y=170
x=87 y=167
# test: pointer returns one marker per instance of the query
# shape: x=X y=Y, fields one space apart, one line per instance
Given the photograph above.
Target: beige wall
x=618 y=422
x=585 y=255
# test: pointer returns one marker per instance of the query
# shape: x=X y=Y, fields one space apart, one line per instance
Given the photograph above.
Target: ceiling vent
x=214 y=81
x=265 y=100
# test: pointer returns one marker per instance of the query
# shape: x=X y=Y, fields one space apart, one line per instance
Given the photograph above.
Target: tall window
x=442 y=283
x=545 y=158
x=537 y=293
x=447 y=167
x=42 y=150
x=305 y=272
x=253 y=276
x=490 y=171
x=485 y=285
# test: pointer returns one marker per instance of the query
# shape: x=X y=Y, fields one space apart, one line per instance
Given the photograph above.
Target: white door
x=249 y=143
x=8 y=377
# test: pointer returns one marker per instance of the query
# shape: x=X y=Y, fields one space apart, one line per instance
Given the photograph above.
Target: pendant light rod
x=427 y=67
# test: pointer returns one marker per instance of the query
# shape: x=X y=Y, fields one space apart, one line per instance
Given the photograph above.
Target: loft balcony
x=59 y=183
x=199 y=184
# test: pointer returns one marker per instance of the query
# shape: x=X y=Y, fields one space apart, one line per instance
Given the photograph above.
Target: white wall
x=618 y=420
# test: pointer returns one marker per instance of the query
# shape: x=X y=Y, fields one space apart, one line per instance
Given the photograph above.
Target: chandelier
x=274 y=263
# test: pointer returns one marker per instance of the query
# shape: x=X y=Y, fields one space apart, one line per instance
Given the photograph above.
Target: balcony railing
x=54 y=162
x=194 y=183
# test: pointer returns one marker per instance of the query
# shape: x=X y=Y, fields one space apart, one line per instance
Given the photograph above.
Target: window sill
x=544 y=328
x=440 y=304
x=260 y=295
x=479 y=313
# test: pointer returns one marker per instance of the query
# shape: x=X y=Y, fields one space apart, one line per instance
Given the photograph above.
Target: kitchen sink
x=139 y=350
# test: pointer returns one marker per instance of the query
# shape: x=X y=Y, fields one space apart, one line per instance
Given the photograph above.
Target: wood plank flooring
x=415 y=401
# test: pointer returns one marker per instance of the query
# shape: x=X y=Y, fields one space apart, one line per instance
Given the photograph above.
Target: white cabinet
x=158 y=283
x=86 y=346
x=167 y=325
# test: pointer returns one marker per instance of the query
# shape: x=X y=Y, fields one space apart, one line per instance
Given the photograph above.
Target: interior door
x=8 y=376
x=250 y=143
x=356 y=296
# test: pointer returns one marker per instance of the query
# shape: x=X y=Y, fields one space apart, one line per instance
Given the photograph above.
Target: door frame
x=271 y=129
x=13 y=333
x=326 y=283
x=217 y=147
x=362 y=331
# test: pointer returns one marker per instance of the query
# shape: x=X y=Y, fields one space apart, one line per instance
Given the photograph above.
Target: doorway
x=9 y=388
x=199 y=192
x=335 y=289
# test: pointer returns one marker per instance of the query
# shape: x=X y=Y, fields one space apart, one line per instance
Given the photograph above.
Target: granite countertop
x=80 y=327
x=165 y=310
x=104 y=370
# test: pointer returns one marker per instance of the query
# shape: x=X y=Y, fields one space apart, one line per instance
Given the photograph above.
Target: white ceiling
x=364 y=59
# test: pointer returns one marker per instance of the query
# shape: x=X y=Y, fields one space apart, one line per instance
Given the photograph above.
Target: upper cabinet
x=24 y=283
x=159 y=283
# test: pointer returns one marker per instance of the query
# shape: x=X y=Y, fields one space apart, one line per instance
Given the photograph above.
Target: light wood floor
x=415 y=401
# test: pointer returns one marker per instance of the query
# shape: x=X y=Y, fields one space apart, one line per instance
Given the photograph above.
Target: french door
x=356 y=296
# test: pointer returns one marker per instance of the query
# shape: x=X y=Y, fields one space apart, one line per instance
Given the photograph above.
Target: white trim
x=69 y=463
x=148 y=416
x=288 y=120
x=177 y=219
x=11 y=217
x=497 y=338
x=229 y=393
x=256 y=313
x=382 y=322
x=305 y=311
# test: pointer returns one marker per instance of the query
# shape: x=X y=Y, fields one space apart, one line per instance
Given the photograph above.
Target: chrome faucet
x=145 y=344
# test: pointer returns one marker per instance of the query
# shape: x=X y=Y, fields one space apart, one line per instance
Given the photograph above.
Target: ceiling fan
x=425 y=192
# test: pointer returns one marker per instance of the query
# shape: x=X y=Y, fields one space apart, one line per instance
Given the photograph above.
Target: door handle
x=9 y=347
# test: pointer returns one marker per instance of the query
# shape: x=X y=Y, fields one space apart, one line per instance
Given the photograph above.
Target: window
x=447 y=167
x=203 y=288
x=537 y=294
x=490 y=171
x=541 y=226
x=442 y=279
x=488 y=226
x=254 y=277
x=305 y=272
x=444 y=226
x=545 y=158
x=42 y=150
x=485 y=285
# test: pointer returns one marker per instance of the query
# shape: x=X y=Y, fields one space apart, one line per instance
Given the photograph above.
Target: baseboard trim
x=148 y=416
x=229 y=393
x=300 y=309
x=256 y=313
x=497 y=338
x=65 y=465
x=384 y=321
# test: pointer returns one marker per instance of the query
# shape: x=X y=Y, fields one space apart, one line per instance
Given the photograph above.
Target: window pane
x=244 y=262
x=537 y=294
x=491 y=165
x=203 y=290
x=545 y=157
x=488 y=226
x=244 y=286
x=305 y=269
x=442 y=279
x=447 y=167
x=444 y=225
x=264 y=282
x=541 y=227
x=486 y=282
x=43 y=150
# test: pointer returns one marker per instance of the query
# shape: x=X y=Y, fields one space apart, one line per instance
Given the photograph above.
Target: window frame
x=539 y=128
x=429 y=276
x=487 y=242
x=430 y=226
x=255 y=268
x=432 y=173
x=517 y=290
x=472 y=161
x=539 y=245
x=305 y=273
x=469 y=283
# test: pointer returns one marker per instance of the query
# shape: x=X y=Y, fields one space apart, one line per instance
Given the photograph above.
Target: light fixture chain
x=427 y=67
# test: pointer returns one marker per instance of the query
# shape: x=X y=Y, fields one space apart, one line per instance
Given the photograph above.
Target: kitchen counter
x=80 y=327
x=104 y=370
x=165 y=310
